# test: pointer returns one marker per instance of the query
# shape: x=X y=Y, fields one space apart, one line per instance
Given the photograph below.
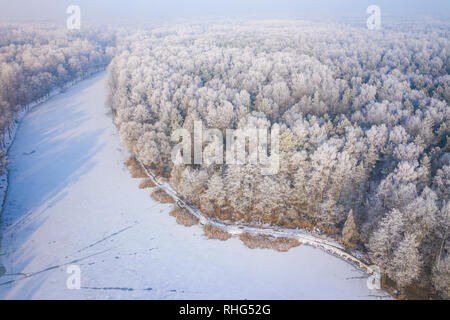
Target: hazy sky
x=147 y=10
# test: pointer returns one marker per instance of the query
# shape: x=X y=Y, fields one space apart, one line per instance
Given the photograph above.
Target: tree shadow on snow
x=53 y=149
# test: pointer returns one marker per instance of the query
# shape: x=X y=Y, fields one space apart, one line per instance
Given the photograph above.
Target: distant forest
x=38 y=58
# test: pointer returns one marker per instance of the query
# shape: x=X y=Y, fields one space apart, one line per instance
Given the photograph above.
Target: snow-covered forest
x=363 y=116
x=38 y=58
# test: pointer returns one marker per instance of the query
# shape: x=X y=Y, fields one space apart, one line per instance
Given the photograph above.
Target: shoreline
x=9 y=134
x=302 y=236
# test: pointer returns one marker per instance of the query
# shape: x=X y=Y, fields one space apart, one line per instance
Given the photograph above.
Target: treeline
x=364 y=122
x=37 y=58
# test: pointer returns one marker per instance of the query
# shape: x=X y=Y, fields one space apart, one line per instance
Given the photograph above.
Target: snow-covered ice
x=71 y=201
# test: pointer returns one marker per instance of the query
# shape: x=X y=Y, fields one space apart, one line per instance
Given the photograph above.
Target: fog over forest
x=138 y=11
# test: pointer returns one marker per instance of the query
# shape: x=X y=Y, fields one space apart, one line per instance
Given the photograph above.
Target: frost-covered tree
x=363 y=118
x=406 y=262
x=350 y=234
x=36 y=59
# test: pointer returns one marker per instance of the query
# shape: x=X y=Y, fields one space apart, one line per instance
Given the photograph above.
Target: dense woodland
x=38 y=58
x=363 y=116
x=364 y=123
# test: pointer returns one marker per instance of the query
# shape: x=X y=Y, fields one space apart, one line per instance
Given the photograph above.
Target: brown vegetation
x=146 y=183
x=268 y=242
x=135 y=168
x=184 y=217
x=161 y=196
x=215 y=233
